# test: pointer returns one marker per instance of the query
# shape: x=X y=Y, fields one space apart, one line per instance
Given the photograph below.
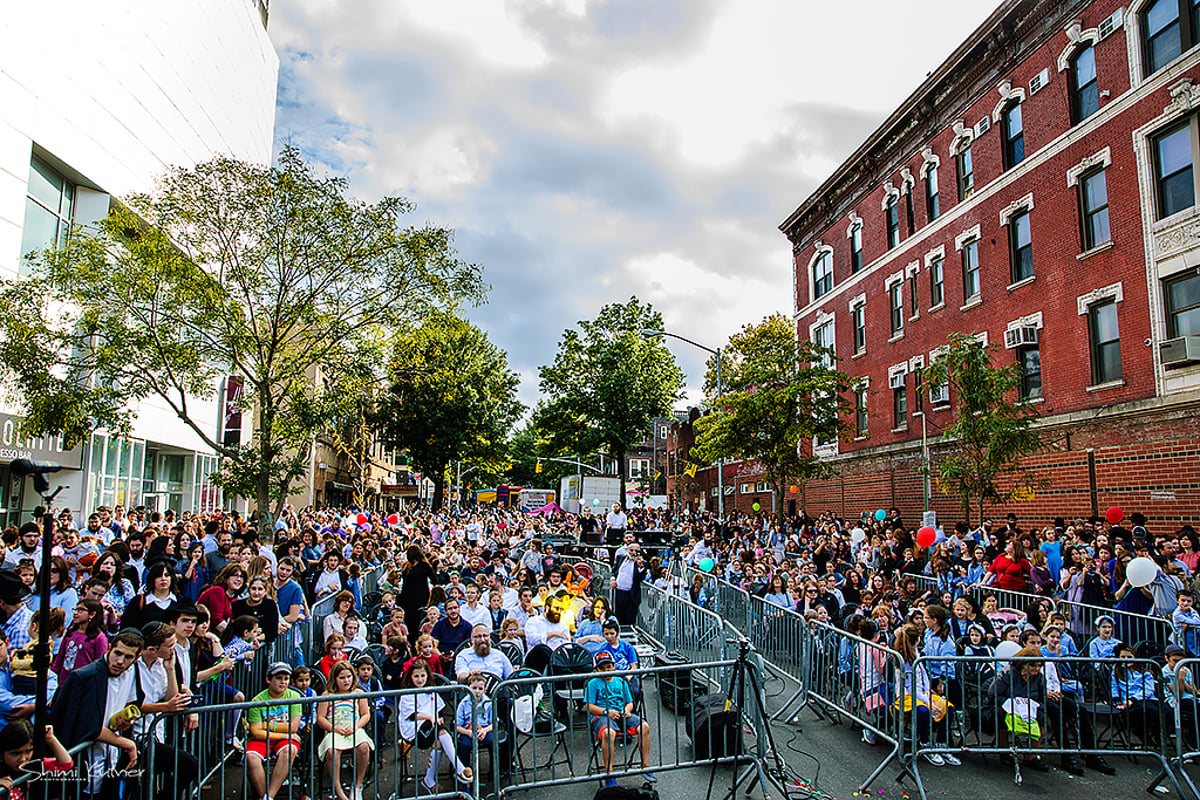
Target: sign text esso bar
x=14 y=445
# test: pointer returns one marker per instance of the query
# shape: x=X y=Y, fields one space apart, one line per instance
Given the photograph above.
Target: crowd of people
x=160 y=612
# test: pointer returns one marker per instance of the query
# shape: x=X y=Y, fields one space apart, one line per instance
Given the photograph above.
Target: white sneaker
x=951 y=760
x=935 y=759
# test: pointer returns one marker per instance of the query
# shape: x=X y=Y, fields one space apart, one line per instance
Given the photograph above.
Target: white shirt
x=327 y=582
x=413 y=704
x=154 y=688
x=121 y=692
x=538 y=629
x=522 y=617
x=183 y=658
x=479 y=615
x=616 y=519
x=509 y=599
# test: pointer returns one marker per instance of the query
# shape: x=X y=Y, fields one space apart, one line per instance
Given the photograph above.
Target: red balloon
x=362 y=519
x=926 y=536
x=1114 y=515
x=394 y=519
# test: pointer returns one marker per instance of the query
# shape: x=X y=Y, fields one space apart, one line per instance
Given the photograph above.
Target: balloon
x=365 y=528
x=707 y=564
x=858 y=535
x=362 y=519
x=595 y=501
x=394 y=519
x=881 y=515
x=1007 y=649
x=1141 y=572
x=794 y=489
x=756 y=507
x=1114 y=515
x=926 y=536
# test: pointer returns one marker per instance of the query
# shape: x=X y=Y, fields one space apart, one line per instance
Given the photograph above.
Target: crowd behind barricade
x=157 y=614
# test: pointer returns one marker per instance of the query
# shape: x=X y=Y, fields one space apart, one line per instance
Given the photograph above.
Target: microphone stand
x=41 y=655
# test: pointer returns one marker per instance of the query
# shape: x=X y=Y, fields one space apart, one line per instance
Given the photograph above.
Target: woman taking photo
x=193 y=572
x=110 y=567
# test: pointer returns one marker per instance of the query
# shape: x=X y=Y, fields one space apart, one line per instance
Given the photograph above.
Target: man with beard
x=451 y=630
x=481 y=657
x=137 y=553
x=629 y=571
x=13 y=612
x=218 y=559
x=548 y=629
x=28 y=547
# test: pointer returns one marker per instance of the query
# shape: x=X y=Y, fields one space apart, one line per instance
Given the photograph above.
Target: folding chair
x=530 y=694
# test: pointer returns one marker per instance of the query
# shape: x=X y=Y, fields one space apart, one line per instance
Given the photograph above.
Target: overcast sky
x=588 y=150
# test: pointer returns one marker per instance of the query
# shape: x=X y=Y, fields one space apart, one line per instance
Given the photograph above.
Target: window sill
x=914 y=318
x=859 y=354
x=938 y=307
x=1100 y=248
x=896 y=337
x=1100 y=387
x=860 y=438
x=901 y=429
x=1022 y=282
x=1032 y=401
x=974 y=300
x=939 y=406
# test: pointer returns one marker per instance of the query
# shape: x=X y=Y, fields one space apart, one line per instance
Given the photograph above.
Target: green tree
x=992 y=431
x=528 y=446
x=779 y=395
x=453 y=398
x=607 y=383
x=271 y=274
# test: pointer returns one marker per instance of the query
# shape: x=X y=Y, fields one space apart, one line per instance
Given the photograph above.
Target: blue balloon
x=707 y=564
x=880 y=515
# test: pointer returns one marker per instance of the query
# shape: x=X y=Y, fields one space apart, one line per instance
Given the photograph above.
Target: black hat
x=12 y=588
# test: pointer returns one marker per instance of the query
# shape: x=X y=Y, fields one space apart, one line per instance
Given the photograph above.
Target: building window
x=1169 y=27
x=1106 y=343
x=933 y=209
x=747 y=488
x=823 y=338
x=896 y=299
x=1031 y=372
x=908 y=209
x=970 y=265
x=856 y=254
x=914 y=307
x=822 y=274
x=1173 y=170
x=1093 y=196
x=937 y=284
x=893 y=222
x=900 y=406
x=859 y=316
x=860 y=413
x=966 y=173
x=1014 y=136
x=1085 y=92
x=49 y=202
x=1183 y=306
x=1021 y=246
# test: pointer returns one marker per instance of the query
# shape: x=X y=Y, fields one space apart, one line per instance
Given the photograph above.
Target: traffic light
x=538 y=468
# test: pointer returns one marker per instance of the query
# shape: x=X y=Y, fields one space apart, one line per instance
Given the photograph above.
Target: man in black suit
x=629 y=570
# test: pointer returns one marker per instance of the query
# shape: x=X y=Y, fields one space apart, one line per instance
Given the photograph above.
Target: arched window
x=822 y=272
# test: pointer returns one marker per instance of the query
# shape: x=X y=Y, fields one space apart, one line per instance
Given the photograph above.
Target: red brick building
x=1038 y=190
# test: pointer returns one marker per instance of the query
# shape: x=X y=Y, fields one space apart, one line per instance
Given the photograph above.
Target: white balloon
x=858 y=535
x=1141 y=571
x=1007 y=649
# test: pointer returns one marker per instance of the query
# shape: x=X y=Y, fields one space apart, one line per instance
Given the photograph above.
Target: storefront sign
x=14 y=445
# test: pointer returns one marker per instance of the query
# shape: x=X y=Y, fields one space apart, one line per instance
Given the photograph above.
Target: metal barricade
x=679 y=626
x=384 y=759
x=781 y=636
x=978 y=704
x=67 y=785
x=1006 y=598
x=722 y=597
x=599 y=585
x=1180 y=694
x=1081 y=617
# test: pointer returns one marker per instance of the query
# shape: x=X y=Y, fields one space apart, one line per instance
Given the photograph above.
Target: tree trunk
x=439 y=487
x=266 y=421
x=620 y=456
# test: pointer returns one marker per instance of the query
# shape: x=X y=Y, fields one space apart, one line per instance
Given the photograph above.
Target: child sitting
x=1185 y=621
x=474 y=719
x=1103 y=645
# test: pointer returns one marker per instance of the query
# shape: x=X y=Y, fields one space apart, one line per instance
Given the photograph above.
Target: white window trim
x=895 y=277
x=907 y=181
x=938 y=352
x=897 y=369
x=821 y=320
x=855 y=222
x=913 y=268
x=818 y=250
x=1102 y=159
x=858 y=300
x=1033 y=320
x=963 y=137
x=1077 y=39
x=889 y=191
x=932 y=161
x=915 y=363
x=935 y=254
x=1025 y=204
x=964 y=238
x=1008 y=96
x=1114 y=292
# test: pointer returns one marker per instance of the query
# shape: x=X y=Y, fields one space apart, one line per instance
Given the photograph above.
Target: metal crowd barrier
x=783 y=639
x=601 y=575
x=1180 y=694
x=1081 y=617
x=681 y=627
x=70 y=787
x=392 y=766
x=724 y=598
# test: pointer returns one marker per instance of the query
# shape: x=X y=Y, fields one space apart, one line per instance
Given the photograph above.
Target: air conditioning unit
x=1023 y=336
x=1179 y=351
x=939 y=395
x=983 y=126
x=1039 y=81
x=896 y=381
x=1111 y=23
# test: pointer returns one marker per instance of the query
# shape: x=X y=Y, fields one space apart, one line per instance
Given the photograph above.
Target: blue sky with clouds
x=585 y=151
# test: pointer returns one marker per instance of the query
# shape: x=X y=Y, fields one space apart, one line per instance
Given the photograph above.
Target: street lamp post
x=924 y=459
x=647 y=334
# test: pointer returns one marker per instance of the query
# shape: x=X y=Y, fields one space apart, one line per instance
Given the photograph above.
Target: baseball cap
x=1172 y=649
x=278 y=667
x=604 y=657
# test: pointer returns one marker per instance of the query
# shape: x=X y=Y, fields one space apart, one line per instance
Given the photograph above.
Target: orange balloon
x=794 y=489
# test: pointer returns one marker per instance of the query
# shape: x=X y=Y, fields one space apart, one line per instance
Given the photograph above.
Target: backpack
x=625 y=793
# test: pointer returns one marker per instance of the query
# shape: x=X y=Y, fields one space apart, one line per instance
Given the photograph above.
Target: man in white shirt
x=524 y=612
x=509 y=598
x=615 y=524
x=480 y=656
x=472 y=610
x=548 y=629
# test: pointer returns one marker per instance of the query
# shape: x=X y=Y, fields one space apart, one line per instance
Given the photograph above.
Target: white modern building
x=96 y=101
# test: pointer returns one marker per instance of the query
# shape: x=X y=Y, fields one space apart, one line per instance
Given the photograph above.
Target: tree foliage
x=607 y=383
x=272 y=274
x=453 y=398
x=992 y=431
x=779 y=395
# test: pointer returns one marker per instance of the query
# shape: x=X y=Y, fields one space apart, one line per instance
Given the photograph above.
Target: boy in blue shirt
x=609 y=705
x=1185 y=621
x=623 y=655
x=474 y=719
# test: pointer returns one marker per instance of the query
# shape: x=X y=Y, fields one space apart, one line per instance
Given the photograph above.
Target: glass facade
x=134 y=473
